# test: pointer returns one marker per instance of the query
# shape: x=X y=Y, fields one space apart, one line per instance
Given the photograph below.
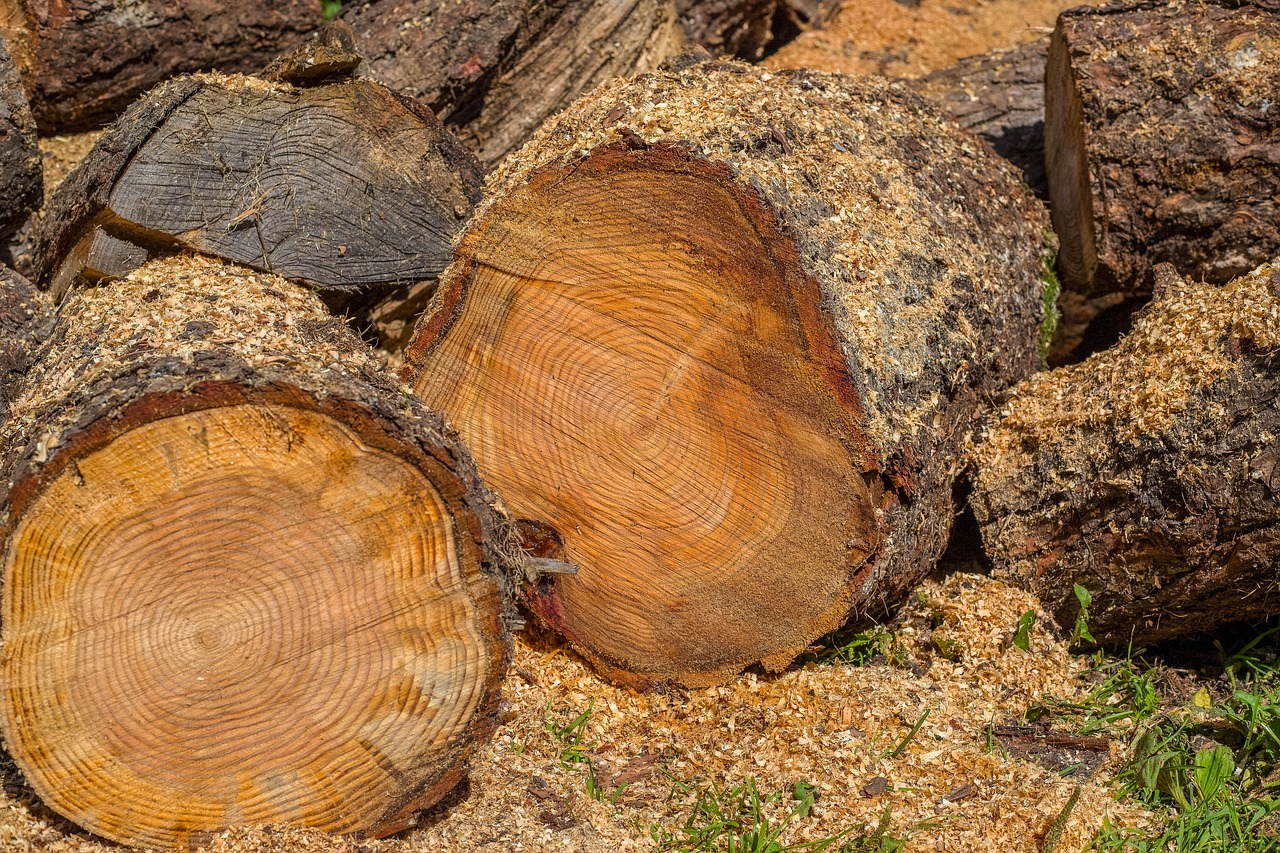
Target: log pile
x=714 y=335
x=247 y=579
x=720 y=339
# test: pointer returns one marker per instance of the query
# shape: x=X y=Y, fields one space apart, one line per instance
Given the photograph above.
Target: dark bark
x=340 y=186
x=1163 y=142
x=494 y=72
x=26 y=319
x=84 y=61
x=1148 y=474
x=737 y=27
x=1000 y=97
x=21 y=181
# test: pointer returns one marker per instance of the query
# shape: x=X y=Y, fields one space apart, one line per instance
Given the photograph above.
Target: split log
x=716 y=336
x=21 y=178
x=84 y=61
x=494 y=72
x=1000 y=97
x=26 y=319
x=1148 y=474
x=1163 y=142
x=248 y=579
x=340 y=186
x=736 y=27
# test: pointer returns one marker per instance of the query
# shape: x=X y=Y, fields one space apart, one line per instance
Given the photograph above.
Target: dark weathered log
x=717 y=336
x=737 y=27
x=811 y=14
x=494 y=72
x=1162 y=140
x=1150 y=473
x=84 y=61
x=1000 y=97
x=343 y=186
x=26 y=319
x=21 y=181
x=249 y=578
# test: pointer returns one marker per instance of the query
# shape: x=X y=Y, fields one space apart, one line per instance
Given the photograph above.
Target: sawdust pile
x=833 y=727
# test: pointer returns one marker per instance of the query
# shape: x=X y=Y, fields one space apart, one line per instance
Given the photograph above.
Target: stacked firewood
x=689 y=378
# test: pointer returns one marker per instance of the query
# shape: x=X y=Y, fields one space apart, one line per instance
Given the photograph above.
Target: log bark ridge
x=84 y=61
x=1149 y=473
x=21 y=176
x=343 y=186
x=494 y=72
x=248 y=578
x=1000 y=97
x=1163 y=142
x=717 y=334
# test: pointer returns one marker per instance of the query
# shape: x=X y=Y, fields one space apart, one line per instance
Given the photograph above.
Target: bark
x=1162 y=143
x=25 y=322
x=1149 y=473
x=21 y=178
x=716 y=336
x=736 y=27
x=239 y=558
x=1000 y=97
x=494 y=72
x=84 y=61
x=340 y=186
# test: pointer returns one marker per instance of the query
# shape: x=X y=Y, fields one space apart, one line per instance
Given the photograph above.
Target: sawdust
x=1187 y=339
x=833 y=727
x=899 y=38
x=61 y=154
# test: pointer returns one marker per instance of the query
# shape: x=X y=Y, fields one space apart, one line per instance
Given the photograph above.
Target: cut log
x=21 y=181
x=494 y=72
x=343 y=186
x=736 y=27
x=26 y=319
x=1149 y=474
x=716 y=336
x=248 y=579
x=1163 y=142
x=1000 y=97
x=84 y=61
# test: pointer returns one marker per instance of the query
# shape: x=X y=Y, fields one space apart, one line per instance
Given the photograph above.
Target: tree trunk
x=1000 y=97
x=247 y=578
x=1163 y=142
x=717 y=336
x=1150 y=473
x=21 y=178
x=25 y=323
x=84 y=61
x=340 y=186
x=495 y=72
x=738 y=27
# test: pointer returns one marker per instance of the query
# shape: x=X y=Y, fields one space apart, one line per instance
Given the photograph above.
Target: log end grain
x=715 y=327
x=247 y=579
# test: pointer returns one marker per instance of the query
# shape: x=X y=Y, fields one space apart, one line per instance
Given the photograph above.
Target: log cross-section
x=716 y=334
x=247 y=578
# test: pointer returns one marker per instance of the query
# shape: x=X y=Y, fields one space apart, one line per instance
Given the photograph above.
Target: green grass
x=1210 y=767
x=856 y=647
x=329 y=9
x=736 y=819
